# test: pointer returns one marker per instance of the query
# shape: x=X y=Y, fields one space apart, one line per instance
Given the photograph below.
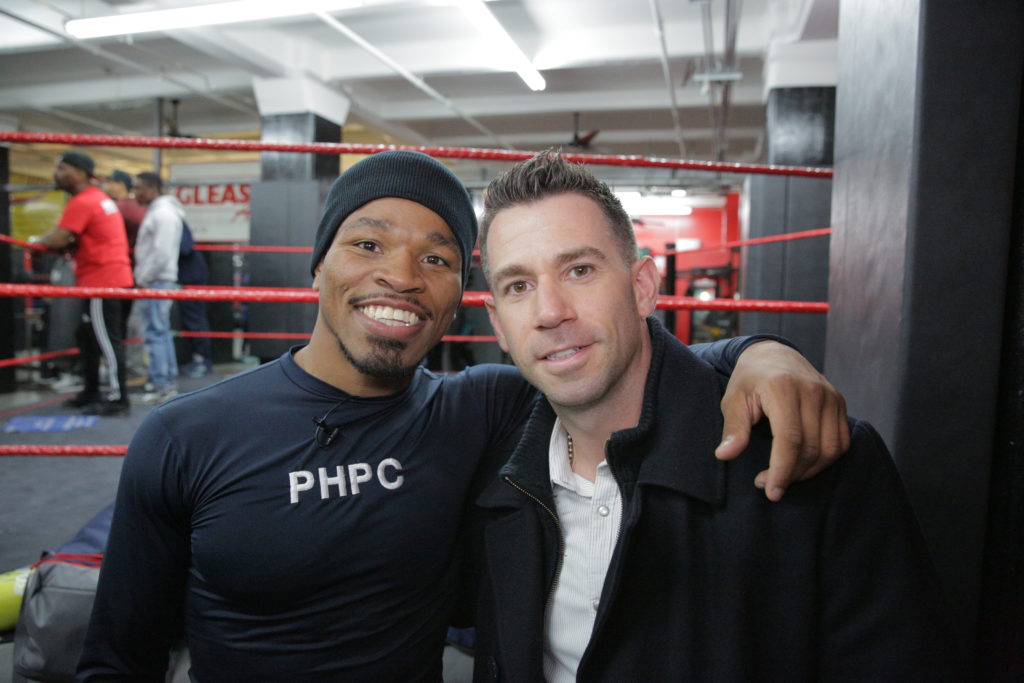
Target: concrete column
x=927 y=150
x=286 y=203
x=799 y=130
x=800 y=80
x=299 y=127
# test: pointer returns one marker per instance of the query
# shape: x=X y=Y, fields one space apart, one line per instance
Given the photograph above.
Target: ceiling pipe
x=117 y=59
x=719 y=73
x=409 y=76
x=710 y=67
x=732 y=25
x=666 y=70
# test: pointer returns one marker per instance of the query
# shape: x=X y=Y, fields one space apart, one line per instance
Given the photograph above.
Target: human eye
x=435 y=260
x=581 y=270
x=366 y=245
x=516 y=288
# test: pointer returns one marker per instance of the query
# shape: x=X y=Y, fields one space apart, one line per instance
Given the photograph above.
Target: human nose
x=554 y=305
x=400 y=272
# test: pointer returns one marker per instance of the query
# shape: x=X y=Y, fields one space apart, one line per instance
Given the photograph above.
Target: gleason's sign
x=216 y=212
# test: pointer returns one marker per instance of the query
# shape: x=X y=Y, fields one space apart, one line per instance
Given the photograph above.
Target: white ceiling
x=600 y=58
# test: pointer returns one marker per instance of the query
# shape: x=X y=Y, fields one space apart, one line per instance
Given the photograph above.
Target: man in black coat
x=616 y=547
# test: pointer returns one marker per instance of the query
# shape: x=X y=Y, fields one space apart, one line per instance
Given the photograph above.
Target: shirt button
x=603 y=511
x=595 y=604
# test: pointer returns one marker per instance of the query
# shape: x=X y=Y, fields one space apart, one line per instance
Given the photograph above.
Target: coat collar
x=671 y=447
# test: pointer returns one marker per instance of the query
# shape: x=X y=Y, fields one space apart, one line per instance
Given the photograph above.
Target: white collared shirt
x=590 y=514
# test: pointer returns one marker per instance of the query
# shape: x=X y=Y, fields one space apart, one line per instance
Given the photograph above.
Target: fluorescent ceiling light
x=202 y=15
x=499 y=39
x=638 y=204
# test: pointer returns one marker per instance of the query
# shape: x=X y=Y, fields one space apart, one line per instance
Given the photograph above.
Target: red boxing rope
x=22 y=360
x=677 y=303
x=22 y=243
x=687 y=303
x=805 y=234
x=232 y=288
x=468 y=338
x=253 y=248
x=202 y=294
x=62 y=450
x=185 y=334
x=441 y=152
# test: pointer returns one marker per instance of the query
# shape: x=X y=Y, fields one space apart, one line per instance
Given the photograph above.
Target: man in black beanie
x=404 y=175
x=301 y=521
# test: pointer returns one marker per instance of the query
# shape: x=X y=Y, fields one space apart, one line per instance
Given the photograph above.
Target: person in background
x=92 y=229
x=156 y=267
x=119 y=188
x=192 y=270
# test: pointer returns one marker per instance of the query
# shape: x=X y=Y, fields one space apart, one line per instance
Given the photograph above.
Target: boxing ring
x=308 y=296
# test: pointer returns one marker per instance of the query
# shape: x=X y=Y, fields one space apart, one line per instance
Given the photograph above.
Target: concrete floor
x=45 y=499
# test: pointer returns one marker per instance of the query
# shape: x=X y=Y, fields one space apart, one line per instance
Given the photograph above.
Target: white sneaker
x=68 y=383
x=159 y=395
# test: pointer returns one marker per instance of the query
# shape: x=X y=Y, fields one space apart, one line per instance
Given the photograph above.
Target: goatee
x=383 y=362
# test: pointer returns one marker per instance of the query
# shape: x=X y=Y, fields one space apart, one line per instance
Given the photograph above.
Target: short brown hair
x=546 y=175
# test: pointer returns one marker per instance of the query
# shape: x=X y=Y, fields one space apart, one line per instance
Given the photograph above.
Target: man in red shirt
x=92 y=229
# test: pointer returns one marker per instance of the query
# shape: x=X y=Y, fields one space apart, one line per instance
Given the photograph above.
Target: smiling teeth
x=564 y=354
x=390 y=316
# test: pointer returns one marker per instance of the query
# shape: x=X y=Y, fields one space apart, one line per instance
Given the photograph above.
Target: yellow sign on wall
x=33 y=212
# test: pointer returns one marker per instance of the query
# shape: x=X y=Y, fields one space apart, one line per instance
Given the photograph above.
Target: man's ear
x=316 y=276
x=492 y=313
x=646 y=280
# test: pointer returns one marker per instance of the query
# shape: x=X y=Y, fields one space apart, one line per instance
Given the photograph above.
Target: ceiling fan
x=171 y=121
x=581 y=141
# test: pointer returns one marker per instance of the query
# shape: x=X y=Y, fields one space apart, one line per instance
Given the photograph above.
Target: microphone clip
x=325 y=433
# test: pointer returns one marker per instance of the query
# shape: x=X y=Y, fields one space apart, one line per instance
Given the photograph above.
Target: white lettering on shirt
x=341 y=481
x=392 y=485
x=295 y=485
x=108 y=206
x=325 y=482
x=365 y=475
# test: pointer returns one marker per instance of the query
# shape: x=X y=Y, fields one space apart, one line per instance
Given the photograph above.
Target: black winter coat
x=710 y=581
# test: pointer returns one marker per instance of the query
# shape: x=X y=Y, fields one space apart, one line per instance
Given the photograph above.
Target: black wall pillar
x=927 y=145
x=285 y=207
x=799 y=132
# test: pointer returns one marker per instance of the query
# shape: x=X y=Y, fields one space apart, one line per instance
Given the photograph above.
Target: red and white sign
x=216 y=212
x=216 y=198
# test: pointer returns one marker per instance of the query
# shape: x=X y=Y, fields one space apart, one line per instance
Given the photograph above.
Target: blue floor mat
x=49 y=423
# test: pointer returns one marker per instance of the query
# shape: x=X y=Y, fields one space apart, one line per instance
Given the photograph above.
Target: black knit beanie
x=406 y=175
x=79 y=160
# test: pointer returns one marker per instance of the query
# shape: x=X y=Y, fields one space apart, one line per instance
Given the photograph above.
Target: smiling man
x=616 y=547
x=301 y=521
